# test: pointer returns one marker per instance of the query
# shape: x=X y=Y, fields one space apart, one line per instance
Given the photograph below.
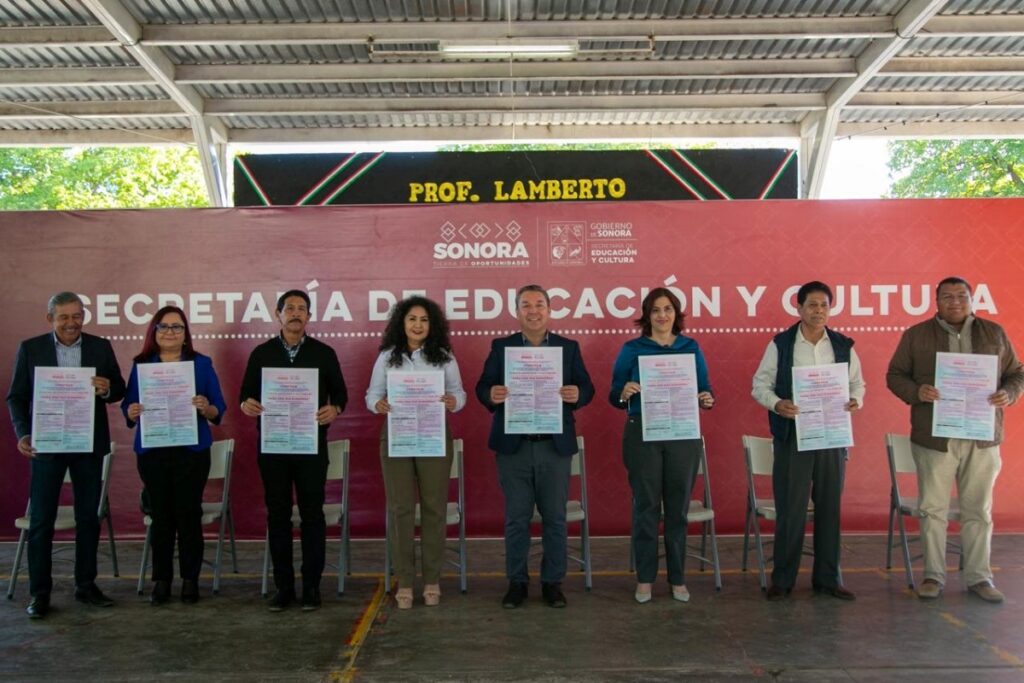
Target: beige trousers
x=974 y=471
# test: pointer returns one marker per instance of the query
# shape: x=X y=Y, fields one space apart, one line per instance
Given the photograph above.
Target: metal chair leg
x=145 y=560
x=22 y=538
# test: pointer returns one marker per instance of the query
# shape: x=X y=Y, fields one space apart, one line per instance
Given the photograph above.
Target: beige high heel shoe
x=432 y=595
x=403 y=597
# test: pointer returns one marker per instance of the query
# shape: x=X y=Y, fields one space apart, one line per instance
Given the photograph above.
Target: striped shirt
x=68 y=356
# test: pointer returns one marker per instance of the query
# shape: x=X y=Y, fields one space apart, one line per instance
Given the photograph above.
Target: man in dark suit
x=534 y=469
x=66 y=346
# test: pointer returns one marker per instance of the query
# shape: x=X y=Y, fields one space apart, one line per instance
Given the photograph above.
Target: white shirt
x=378 y=388
x=804 y=353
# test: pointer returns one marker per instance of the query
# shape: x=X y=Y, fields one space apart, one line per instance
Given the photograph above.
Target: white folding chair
x=66 y=521
x=335 y=513
x=901 y=462
x=454 y=515
x=700 y=512
x=703 y=512
x=577 y=510
x=221 y=455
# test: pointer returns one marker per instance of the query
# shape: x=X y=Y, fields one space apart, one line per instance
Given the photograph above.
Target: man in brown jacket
x=972 y=464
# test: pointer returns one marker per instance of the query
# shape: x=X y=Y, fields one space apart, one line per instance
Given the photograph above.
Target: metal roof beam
x=65 y=138
x=120 y=22
x=208 y=132
x=21 y=37
x=973 y=26
x=475 y=71
x=817 y=136
x=565 y=104
x=953 y=66
x=455 y=135
x=889 y=99
x=414 y=31
x=213 y=158
x=74 y=76
x=87 y=110
x=933 y=129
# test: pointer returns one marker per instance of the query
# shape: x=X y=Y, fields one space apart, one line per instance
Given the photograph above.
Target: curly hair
x=436 y=348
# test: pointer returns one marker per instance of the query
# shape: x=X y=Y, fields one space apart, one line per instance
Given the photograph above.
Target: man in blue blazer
x=534 y=469
x=65 y=346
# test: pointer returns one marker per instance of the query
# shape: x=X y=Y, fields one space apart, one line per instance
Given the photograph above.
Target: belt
x=537 y=437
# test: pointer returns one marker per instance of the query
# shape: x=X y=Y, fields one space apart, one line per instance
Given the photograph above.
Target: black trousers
x=307 y=474
x=796 y=477
x=175 y=479
x=48 y=471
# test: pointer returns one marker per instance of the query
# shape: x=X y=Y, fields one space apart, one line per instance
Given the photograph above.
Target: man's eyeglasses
x=950 y=298
x=171 y=329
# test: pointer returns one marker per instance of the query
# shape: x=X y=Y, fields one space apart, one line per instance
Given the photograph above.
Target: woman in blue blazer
x=175 y=476
x=661 y=473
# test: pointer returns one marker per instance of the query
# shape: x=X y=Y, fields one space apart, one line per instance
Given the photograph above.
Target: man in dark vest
x=817 y=474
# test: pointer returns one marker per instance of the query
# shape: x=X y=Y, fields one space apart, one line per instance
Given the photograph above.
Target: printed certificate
x=416 y=420
x=63 y=410
x=668 y=397
x=965 y=381
x=821 y=392
x=533 y=375
x=288 y=423
x=168 y=417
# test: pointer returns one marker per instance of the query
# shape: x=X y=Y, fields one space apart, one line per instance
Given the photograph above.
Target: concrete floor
x=887 y=634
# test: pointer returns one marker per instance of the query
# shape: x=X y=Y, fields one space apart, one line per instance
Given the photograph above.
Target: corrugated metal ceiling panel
x=155 y=123
x=44 y=13
x=107 y=93
x=43 y=57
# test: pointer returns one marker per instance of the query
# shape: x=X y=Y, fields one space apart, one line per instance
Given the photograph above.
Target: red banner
x=736 y=266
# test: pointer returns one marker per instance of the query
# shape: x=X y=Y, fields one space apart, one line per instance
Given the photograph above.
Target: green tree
x=34 y=178
x=957 y=168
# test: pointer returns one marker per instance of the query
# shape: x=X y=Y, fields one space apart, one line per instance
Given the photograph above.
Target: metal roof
x=210 y=72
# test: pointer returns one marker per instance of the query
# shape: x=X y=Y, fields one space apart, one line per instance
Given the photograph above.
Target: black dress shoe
x=836 y=592
x=38 y=607
x=516 y=594
x=161 y=593
x=311 y=599
x=775 y=593
x=553 y=594
x=91 y=595
x=281 y=600
x=189 y=591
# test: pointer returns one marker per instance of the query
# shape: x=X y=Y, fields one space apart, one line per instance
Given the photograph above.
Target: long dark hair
x=644 y=321
x=151 y=348
x=436 y=348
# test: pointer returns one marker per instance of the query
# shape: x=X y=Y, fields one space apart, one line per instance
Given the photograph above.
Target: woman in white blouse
x=416 y=338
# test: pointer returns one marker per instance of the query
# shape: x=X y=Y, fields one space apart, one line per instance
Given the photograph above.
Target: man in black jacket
x=307 y=473
x=65 y=346
x=534 y=469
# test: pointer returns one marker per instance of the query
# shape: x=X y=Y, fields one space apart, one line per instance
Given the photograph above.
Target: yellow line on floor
x=358 y=637
x=1008 y=657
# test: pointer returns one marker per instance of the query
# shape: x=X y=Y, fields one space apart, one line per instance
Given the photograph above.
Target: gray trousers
x=796 y=477
x=660 y=473
x=536 y=474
